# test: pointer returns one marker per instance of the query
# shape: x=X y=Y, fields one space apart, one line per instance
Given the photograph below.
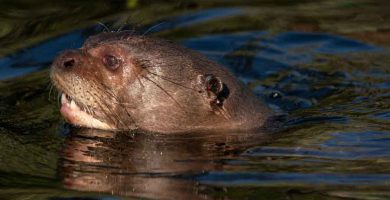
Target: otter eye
x=111 y=62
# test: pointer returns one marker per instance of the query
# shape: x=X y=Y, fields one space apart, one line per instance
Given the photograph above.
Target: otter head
x=120 y=81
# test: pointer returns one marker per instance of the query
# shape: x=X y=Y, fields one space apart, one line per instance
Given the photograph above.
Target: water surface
x=324 y=63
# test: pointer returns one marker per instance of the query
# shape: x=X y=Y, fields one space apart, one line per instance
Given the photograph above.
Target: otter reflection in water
x=147 y=165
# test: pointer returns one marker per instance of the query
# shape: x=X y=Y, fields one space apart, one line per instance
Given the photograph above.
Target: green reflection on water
x=29 y=143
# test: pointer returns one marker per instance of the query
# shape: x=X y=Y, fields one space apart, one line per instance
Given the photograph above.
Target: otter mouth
x=76 y=114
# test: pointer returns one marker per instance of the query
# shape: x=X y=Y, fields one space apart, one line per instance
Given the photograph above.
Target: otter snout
x=68 y=60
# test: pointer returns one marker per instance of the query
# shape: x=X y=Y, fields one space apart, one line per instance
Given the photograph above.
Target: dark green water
x=326 y=63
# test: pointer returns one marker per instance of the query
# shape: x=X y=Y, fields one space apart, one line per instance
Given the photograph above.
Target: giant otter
x=122 y=81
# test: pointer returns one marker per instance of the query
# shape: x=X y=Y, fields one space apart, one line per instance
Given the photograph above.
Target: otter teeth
x=65 y=99
x=73 y=104
x=79 y=115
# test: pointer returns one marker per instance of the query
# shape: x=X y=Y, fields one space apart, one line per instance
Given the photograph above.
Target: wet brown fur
x=156 y=88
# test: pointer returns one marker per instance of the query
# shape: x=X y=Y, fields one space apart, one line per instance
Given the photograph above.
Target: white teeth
x=73 y=105
x=63 y=98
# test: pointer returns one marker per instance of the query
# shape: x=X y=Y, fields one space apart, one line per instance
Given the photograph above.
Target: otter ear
x=215 y=89
x=213 y=84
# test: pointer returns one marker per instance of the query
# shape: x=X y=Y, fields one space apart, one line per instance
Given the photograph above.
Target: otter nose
x=68 y=59
x=69 y=63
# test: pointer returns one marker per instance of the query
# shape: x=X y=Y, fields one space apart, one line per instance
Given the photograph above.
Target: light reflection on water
x=335 y=144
